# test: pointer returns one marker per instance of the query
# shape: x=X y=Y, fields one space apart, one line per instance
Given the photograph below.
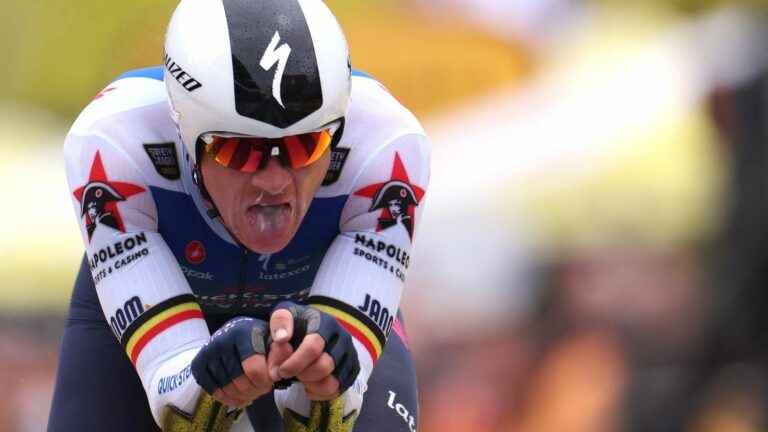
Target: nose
x=273 y=179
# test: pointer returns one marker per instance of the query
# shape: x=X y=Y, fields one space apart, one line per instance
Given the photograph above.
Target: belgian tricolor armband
x=355 y=322
x=157 y=319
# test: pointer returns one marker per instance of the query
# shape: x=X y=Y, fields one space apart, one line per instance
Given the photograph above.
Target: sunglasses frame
x=334 y=130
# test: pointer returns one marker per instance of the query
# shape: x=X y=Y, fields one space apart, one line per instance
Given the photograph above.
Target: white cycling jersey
x=163 y=264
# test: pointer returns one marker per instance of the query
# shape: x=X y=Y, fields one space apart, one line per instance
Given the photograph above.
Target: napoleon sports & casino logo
x=396 y=198
x=100 y=196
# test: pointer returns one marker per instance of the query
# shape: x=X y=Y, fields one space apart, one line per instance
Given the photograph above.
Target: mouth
x=270 y=218
x=270 y=209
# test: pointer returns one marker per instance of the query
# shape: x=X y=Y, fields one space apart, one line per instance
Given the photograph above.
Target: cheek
x=309 y=180
x=219 y=181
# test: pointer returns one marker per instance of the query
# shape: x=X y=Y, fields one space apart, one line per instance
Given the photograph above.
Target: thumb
x=281 y=325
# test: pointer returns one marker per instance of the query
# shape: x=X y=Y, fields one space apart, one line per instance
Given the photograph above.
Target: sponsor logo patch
x=125 y=315
x=402 y=411
x=377 y=313
x=188 y=272
x=170 y=383
x=195 y=252
x=99 y=199
x=338 y=159
x=282 y=269
x=250 y=299
x=396 y=198
x=358 y=324
x=116 y=256
x=164 y=159
x=275 y=55
x=187 y=81
x=387 y=256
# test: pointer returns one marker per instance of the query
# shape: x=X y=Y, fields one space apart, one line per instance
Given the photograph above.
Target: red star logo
x=101 y=196
x=398 y=188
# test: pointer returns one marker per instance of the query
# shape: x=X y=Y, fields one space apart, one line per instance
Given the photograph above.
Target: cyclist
x=235 y=254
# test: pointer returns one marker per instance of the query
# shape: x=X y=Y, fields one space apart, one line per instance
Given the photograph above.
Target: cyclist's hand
x=324 y=360
x=232 y=366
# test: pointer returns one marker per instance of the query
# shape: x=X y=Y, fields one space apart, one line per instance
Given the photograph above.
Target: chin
x=266 y=242
x=268 y=245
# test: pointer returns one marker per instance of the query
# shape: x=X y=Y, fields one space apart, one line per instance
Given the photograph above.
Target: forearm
x=364 y=300
x=152 y=312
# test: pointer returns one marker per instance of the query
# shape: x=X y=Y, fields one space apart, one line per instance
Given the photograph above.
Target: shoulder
x=375 y=114
x=131 y=91
x=129 y=125
x=377 y=127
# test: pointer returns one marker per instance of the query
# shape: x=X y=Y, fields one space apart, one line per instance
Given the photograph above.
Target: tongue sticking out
x=270 y=220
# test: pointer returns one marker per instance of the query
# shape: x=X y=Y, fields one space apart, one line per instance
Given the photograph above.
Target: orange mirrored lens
x=323 y=140
x=247 y=154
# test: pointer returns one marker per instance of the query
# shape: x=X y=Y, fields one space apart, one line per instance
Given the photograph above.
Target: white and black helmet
x=265 y=68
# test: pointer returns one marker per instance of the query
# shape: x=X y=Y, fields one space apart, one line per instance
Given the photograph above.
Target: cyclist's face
x=264 y=209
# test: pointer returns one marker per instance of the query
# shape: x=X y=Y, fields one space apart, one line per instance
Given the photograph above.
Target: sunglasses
x=249 y=154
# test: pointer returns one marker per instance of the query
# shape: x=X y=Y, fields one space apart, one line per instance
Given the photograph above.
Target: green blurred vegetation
x=59 y=54
x=62 y=53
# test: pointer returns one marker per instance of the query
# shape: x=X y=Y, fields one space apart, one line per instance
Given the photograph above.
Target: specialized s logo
x=273 y=55
x=396 y=198
x=99 y=198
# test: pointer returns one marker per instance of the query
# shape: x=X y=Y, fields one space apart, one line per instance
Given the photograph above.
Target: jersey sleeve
x=143 y=293
x=361 y=279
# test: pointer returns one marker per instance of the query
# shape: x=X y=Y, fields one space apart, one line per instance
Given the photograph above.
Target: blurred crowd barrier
x=592 y=254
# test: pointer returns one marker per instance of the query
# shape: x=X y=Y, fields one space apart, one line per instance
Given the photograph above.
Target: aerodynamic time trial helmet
x=257 y=68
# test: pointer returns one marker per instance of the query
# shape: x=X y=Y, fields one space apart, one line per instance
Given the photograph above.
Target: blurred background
x=594 y=250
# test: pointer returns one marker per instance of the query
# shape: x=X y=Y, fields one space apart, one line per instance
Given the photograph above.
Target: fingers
x=246 y=388
x=309 y=351
x=316 y=376
x=278 y=353
x=318 y=370
x=256 y=373
x=221 y=396
x=281 y=325
x=323 y=390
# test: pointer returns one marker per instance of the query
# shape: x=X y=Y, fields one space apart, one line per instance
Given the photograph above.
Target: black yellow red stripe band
x=157 y=319
x=355 y=322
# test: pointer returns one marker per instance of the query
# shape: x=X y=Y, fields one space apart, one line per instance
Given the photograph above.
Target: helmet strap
x=339 y=132
x=197 y=177
x=213 y=212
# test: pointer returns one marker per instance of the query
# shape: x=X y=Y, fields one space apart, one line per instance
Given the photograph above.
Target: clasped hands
x=246 y=358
